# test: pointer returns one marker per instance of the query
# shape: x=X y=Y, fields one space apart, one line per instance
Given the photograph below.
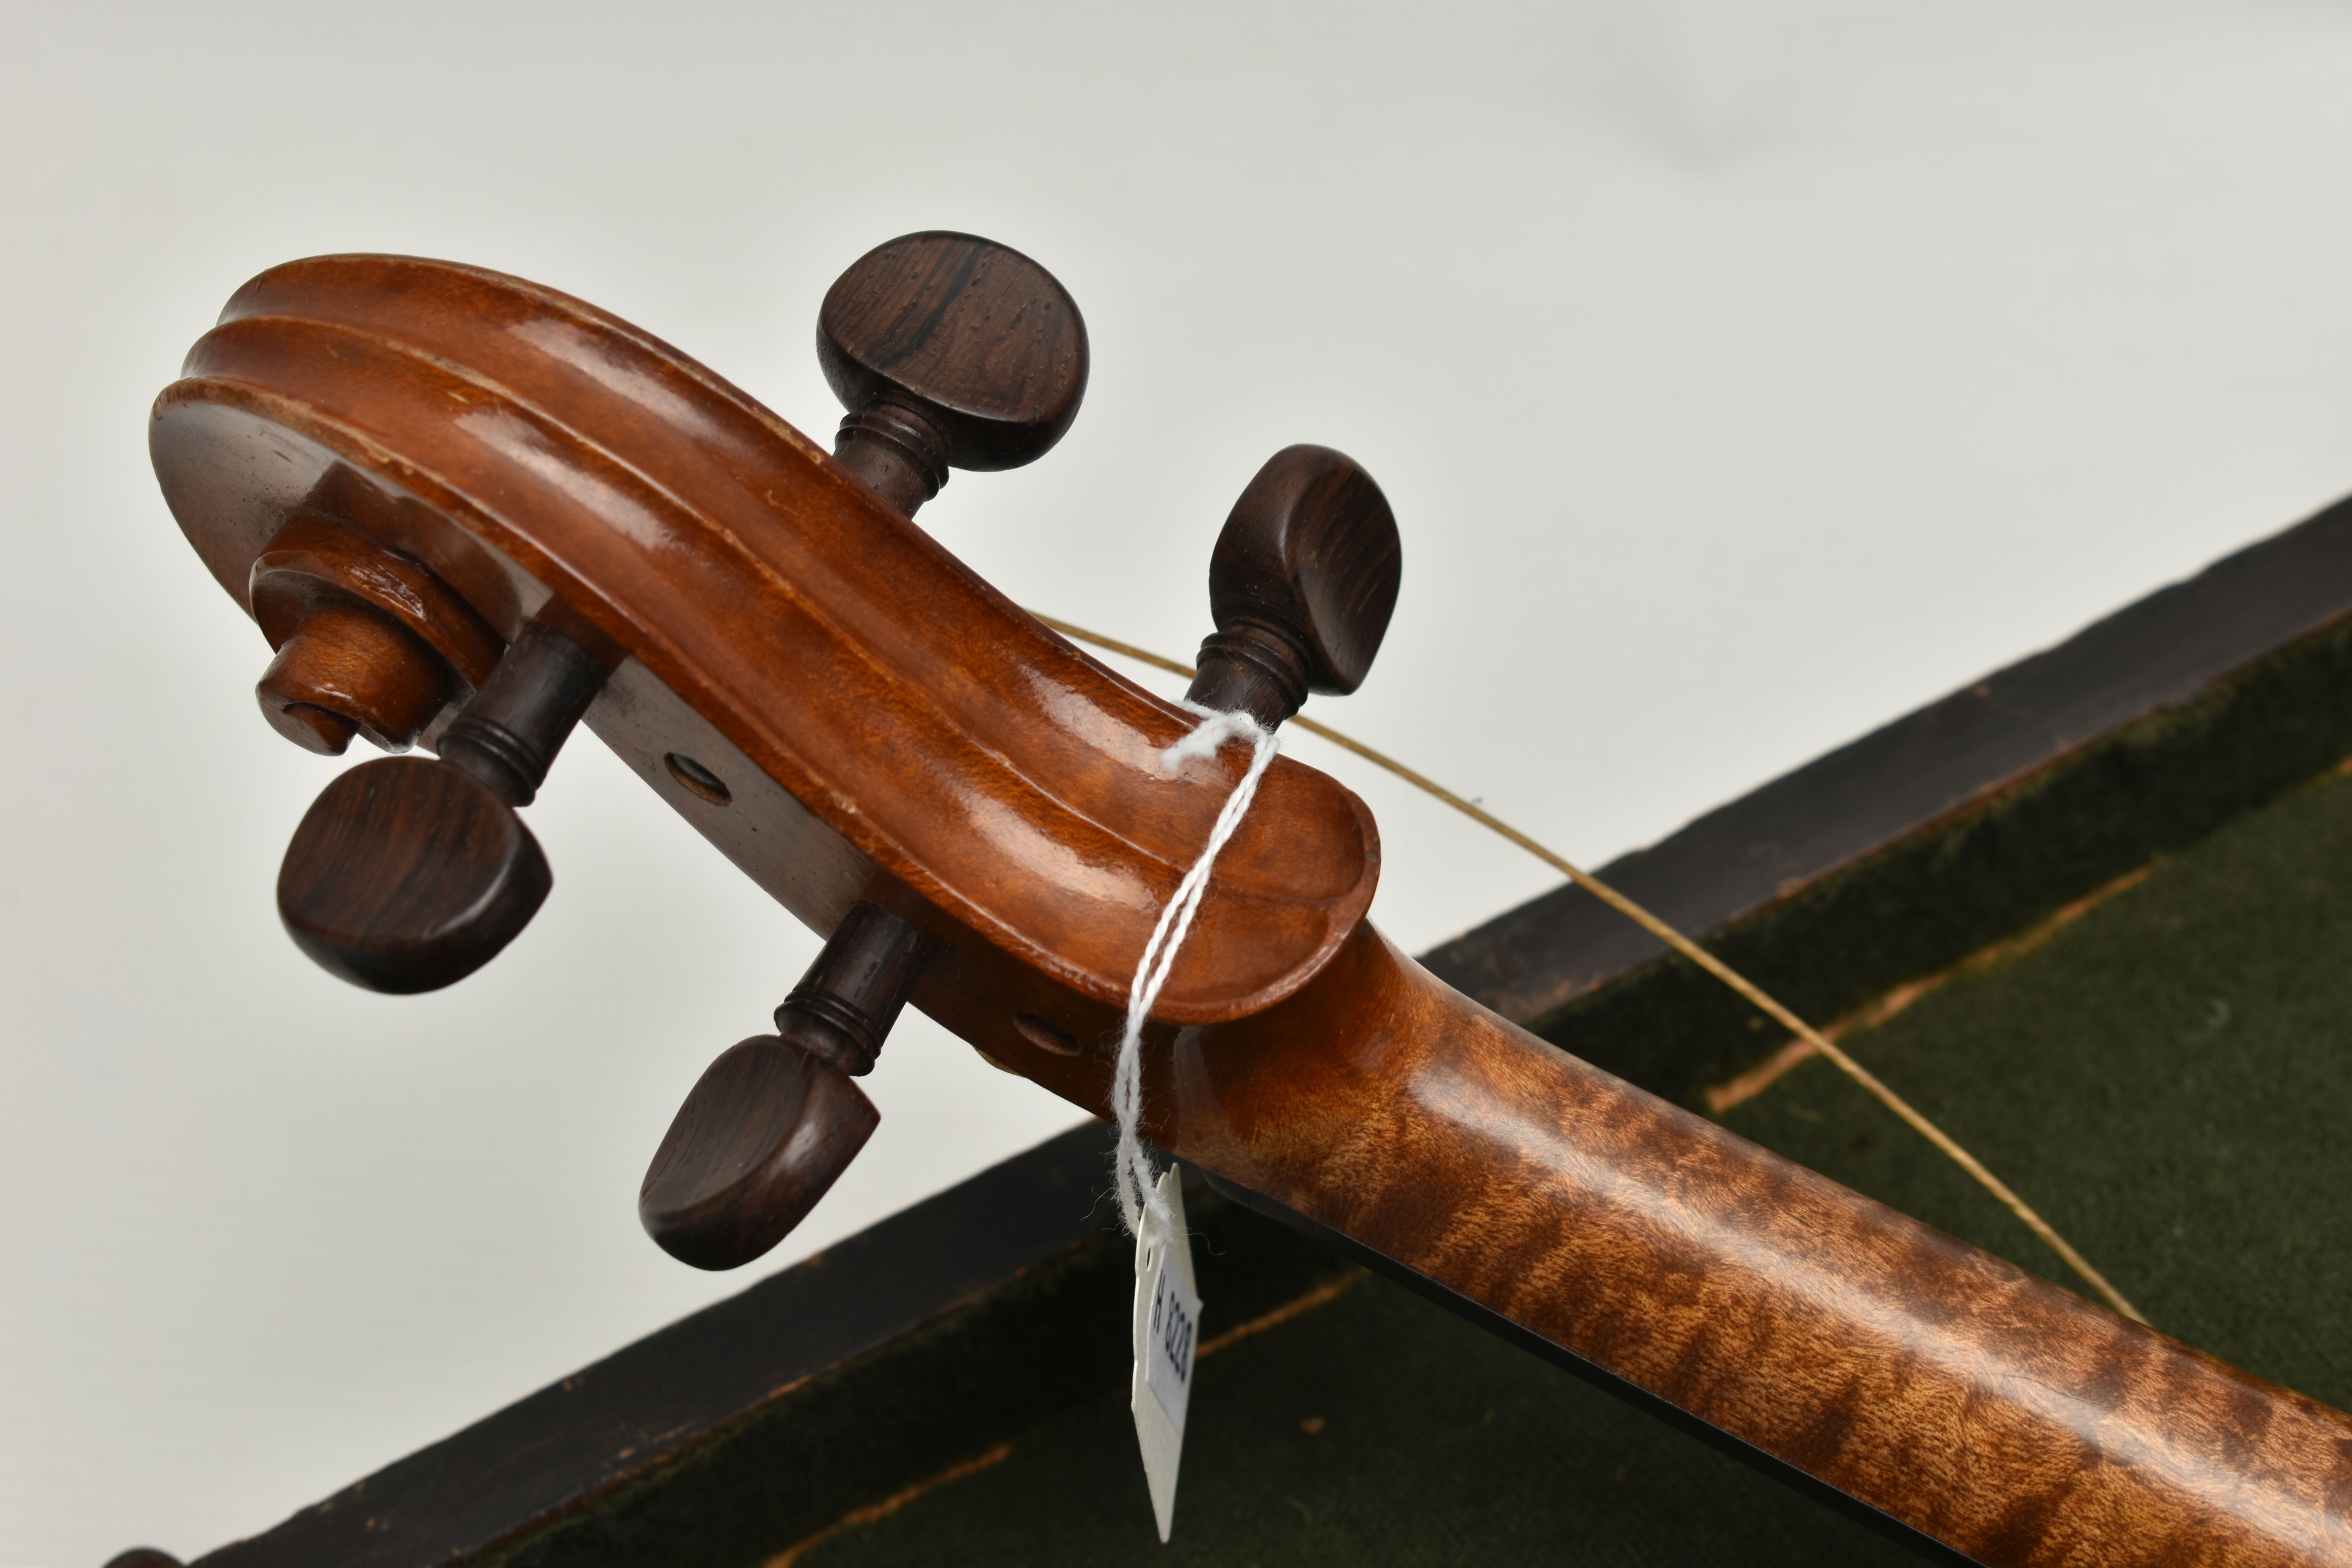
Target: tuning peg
x=407 y=874
x=775 y=1120
x=1301 y=585
x=948 y=351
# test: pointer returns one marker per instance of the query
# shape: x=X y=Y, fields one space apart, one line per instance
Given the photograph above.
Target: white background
x=1742 y=376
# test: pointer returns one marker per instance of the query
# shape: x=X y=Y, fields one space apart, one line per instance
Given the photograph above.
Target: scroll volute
x=368 y=641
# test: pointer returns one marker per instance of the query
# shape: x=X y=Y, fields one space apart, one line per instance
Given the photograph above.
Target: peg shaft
x=842 y=1009
x=508 y=734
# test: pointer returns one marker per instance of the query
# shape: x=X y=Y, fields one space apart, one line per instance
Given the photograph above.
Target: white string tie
x=1132 y=1176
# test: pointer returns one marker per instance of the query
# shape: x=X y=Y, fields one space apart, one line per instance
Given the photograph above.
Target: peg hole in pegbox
x=1044 y=1036
x=697 y=780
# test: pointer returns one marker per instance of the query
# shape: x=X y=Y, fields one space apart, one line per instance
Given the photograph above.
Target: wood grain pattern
x=974 y=338
x=772 y=1123
x=878 y=1299
x=1302 y=583
x=951 y=351
x=408 y=875
x=891 y=728
x=764 y=1133
x=1954 y=1392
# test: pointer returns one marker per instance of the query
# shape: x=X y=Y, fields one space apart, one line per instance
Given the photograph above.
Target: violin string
x=1746 y=989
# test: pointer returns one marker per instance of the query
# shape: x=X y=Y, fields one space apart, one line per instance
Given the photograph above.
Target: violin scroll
x=949 y=352
x=1302 y=583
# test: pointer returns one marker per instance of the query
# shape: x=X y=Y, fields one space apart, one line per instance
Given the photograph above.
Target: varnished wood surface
x=677 y=1390
x=518 y=442
x=1955 y=1393
x=772 y=1123
x=1000 y=791
x=973 y=335
x=368 y=641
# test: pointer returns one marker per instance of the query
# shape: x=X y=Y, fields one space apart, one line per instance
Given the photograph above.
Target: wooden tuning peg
x=948 y=351
x=775 y=1120
x=408 y=874
x=1301 y=584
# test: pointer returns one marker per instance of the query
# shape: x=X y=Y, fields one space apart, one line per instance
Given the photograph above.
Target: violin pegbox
x=1302 y=583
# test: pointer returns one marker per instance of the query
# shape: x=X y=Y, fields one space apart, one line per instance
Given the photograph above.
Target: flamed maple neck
x=1958 y=1394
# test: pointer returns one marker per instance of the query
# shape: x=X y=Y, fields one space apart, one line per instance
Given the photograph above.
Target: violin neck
x=1827 y=1332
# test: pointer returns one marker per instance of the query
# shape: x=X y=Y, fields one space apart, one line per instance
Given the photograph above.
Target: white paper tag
x=1167 y=1329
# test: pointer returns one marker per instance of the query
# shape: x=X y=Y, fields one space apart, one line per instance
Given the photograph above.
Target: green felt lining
x=2168 y=1079
x=1438 y=1444
x=1987 y=871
